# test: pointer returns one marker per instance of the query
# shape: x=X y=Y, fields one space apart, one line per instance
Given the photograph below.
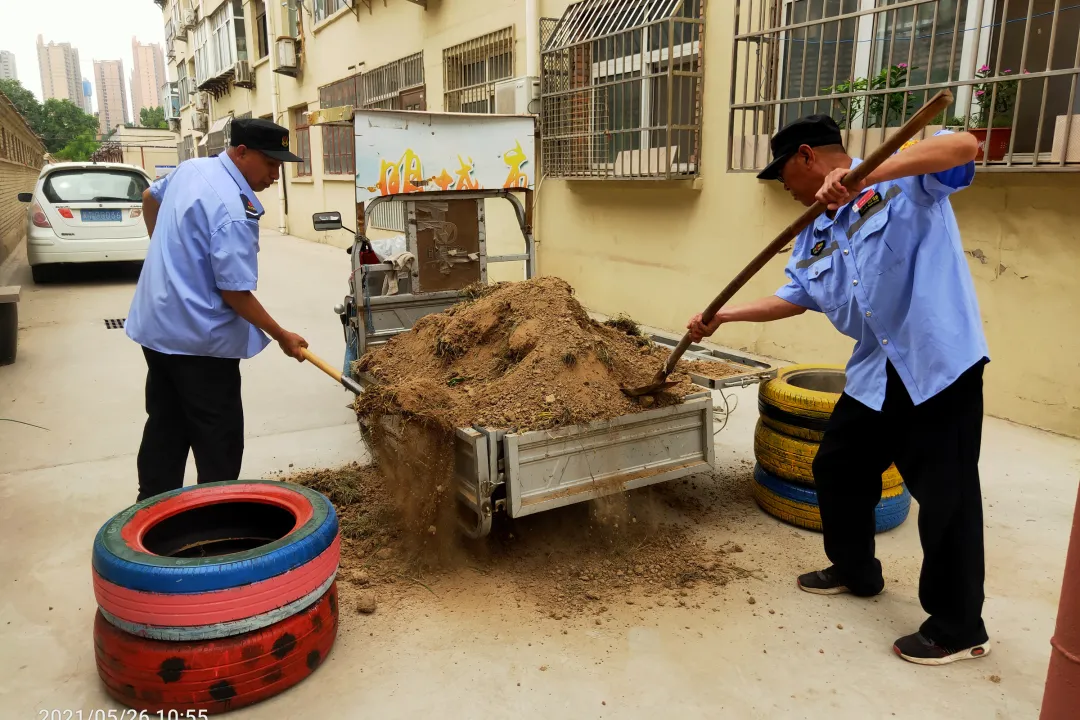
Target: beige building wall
x=61 y=77
x=154 y=150
x=147 y=76
x=21 y=157
x=111 y=94
x=660 y=251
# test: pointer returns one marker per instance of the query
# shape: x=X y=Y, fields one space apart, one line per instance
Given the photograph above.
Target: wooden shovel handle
x=321 y=364
x=918 y=121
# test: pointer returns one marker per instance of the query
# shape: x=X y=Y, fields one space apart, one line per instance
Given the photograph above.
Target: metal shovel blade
x=659 y=383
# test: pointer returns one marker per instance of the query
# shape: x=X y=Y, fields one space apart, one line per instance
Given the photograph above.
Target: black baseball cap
x=267 y=137
x=812 y=130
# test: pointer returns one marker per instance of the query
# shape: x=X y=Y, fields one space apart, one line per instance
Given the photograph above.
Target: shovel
x=918 y=121
x=345 y=380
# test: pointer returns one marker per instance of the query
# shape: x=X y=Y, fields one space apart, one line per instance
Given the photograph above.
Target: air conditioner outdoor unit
x=288 y=57
x=200 y=121
x=520 y=96
x=242 y=75
x=202 y=101
x=189 y=19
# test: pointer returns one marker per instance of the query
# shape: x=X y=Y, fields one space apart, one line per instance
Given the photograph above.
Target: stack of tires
x=216 y=596
x=794 y=409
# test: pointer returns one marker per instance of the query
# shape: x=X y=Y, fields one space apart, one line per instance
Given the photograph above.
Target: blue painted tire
x=798 y=505
x=127 y=564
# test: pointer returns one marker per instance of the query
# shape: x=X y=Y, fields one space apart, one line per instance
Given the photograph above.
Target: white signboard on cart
x=400 y=152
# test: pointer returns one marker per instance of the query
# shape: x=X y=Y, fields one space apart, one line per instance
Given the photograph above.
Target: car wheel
x=43 y=274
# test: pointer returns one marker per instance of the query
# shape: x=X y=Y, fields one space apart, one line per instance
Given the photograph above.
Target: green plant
x=152 y=117
x=79 y=149
x=883 y=109
x=1003 y=100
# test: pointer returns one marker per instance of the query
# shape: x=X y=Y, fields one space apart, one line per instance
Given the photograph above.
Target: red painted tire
x=215 y=675
x=189 y=610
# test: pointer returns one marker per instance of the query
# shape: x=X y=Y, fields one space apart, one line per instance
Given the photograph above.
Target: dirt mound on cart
x=521 y=356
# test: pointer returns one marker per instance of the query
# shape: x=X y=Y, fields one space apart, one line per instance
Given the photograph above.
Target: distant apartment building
x=111 y=94
x=7 y=66
x=87 y=94
x=61 y=77
x=147 y=76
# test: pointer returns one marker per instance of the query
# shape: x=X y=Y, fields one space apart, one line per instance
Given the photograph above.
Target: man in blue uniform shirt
x=885 y=264
x=194 y=312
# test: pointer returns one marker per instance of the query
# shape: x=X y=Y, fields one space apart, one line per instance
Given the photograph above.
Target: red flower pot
x=998 y=146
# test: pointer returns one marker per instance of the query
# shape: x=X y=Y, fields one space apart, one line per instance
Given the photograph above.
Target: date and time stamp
x=126 y=714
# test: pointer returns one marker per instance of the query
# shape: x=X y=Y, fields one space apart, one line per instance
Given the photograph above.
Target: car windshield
x=89 y=185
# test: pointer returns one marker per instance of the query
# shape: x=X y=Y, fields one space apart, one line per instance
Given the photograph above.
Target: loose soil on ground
x=649 y=546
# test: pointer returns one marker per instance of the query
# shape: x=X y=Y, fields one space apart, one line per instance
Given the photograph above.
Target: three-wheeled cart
x=444 y=168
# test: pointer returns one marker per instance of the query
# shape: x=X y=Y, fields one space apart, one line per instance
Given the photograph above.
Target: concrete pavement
x=471 y=649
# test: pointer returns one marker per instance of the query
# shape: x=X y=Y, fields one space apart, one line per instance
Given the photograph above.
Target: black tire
x=43 y=274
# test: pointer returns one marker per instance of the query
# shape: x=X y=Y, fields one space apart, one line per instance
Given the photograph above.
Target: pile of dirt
x=522 y=356
x=626 y=548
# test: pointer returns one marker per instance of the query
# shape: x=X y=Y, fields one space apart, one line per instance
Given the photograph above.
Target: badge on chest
x=867 y=202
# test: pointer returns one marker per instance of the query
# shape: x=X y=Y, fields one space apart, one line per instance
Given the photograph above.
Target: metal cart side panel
x=552 y=468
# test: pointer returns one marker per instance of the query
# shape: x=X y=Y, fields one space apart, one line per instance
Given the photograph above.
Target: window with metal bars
x=471 y=69
x=338 y=150
x=1013 y=67
x=621 y=84
x=398 y=85
x=302 y=135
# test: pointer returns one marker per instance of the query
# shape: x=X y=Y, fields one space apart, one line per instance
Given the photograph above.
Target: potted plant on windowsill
x=1004 y=107
x=869 y=120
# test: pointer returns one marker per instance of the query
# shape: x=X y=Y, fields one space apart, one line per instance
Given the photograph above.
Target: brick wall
x=21 y=158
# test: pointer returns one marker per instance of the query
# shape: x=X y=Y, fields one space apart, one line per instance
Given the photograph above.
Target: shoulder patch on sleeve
x=249 y=207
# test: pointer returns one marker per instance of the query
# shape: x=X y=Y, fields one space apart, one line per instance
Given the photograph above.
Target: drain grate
x=114 y=323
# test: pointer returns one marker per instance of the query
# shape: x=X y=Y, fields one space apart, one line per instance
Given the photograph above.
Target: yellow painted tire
x=799 y=401
x=792 y=459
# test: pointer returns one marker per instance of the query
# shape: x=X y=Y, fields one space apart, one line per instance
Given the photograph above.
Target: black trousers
x=935 y=446
x=192 y=403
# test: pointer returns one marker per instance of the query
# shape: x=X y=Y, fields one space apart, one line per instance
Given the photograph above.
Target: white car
x=84 y=212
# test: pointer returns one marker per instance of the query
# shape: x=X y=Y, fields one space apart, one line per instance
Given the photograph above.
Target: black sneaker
x=921 y=650
x=822 y=582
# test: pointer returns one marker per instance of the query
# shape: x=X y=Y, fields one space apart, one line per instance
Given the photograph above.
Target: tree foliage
x=58 y=122
x=79 y=149
x=153 y=117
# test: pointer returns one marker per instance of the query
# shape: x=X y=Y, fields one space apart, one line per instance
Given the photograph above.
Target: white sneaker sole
x=840 y=590
x=973 y=653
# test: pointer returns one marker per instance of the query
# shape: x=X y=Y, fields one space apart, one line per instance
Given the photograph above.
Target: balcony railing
x=1014 y=69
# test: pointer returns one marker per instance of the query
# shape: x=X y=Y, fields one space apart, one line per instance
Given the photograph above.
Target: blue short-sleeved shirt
x=206 y=240
x=889 y=271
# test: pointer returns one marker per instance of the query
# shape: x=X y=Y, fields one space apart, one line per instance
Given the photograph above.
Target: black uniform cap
x=812 y=130
x=267 y=137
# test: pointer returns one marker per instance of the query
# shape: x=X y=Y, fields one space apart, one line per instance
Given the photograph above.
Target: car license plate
x=101 y=216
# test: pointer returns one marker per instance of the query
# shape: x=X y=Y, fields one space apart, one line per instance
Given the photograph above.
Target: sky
x=98 y=30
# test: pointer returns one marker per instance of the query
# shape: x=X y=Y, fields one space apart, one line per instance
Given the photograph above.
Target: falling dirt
x=650 y=546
